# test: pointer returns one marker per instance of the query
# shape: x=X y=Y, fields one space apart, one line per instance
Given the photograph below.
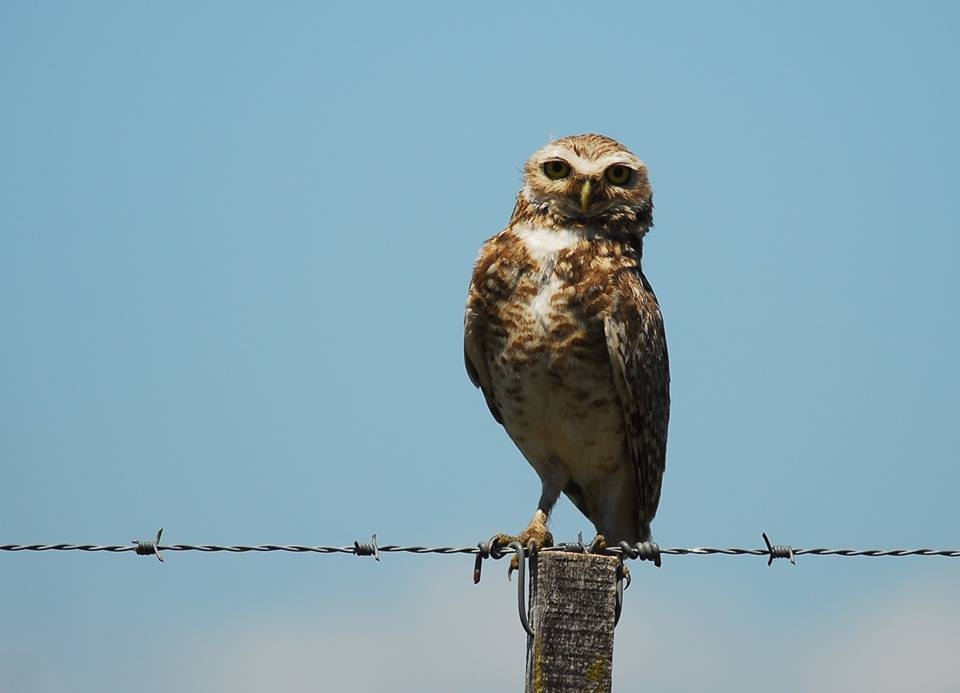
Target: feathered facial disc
x=589 y=179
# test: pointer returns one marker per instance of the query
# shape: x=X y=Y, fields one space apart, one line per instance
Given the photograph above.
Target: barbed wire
x=642 y=551
x=495 y=548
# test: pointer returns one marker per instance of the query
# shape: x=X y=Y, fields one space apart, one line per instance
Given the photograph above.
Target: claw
x=534 y=537
x=599 y=544
x=514 y=559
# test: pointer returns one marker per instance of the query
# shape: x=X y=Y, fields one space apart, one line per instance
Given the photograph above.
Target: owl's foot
x=536 y=534
x=599 y=545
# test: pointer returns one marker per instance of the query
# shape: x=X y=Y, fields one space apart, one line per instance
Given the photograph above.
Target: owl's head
x=588 y=180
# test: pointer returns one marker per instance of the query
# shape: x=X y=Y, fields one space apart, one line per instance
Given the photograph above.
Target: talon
x=599 y=544
x=535 y=537
x=502 y=541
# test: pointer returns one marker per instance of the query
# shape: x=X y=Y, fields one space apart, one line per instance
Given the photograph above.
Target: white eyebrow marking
x=589 y=166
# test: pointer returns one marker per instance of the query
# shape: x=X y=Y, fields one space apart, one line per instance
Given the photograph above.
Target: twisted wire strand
x=473 y=550
x=644 y=551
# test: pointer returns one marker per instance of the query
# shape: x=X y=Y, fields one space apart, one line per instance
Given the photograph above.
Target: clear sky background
x=235 y=240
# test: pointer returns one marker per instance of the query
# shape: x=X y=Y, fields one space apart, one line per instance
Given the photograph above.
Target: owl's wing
x=637 y=347
x=474 y=332
x=476 y=364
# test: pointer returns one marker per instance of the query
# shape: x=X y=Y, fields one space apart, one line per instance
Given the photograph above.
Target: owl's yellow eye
x=556 y=169
x=618 y=174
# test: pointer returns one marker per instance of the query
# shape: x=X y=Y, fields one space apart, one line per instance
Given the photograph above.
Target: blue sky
x=235 y=241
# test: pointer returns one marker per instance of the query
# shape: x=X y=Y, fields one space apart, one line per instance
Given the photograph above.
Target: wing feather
x=637 y=347
x=476 y=321
x=475 y=358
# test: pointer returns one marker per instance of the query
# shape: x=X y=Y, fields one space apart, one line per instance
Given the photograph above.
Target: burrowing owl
x=564 y=336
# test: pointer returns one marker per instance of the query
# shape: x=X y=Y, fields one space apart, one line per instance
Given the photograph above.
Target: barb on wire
x=576 y=546
x=778 y=551
x=149 y=548
x=370 y=549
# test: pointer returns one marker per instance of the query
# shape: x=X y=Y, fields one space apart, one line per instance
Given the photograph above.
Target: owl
x=564 y=337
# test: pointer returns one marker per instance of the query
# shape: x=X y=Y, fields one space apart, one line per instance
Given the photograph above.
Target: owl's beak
x=585 y=196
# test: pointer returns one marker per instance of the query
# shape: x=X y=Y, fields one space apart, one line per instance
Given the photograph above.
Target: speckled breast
x=548 y=359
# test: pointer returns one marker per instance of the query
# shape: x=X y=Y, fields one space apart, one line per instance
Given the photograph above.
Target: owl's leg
x=536 y=532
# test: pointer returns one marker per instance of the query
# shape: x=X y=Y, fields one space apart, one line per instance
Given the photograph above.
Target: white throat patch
x=544 y=244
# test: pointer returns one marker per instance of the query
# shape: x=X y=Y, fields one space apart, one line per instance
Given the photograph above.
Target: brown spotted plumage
x=564 y=337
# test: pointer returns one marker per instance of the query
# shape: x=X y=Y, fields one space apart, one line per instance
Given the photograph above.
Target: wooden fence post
x=572 y=612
